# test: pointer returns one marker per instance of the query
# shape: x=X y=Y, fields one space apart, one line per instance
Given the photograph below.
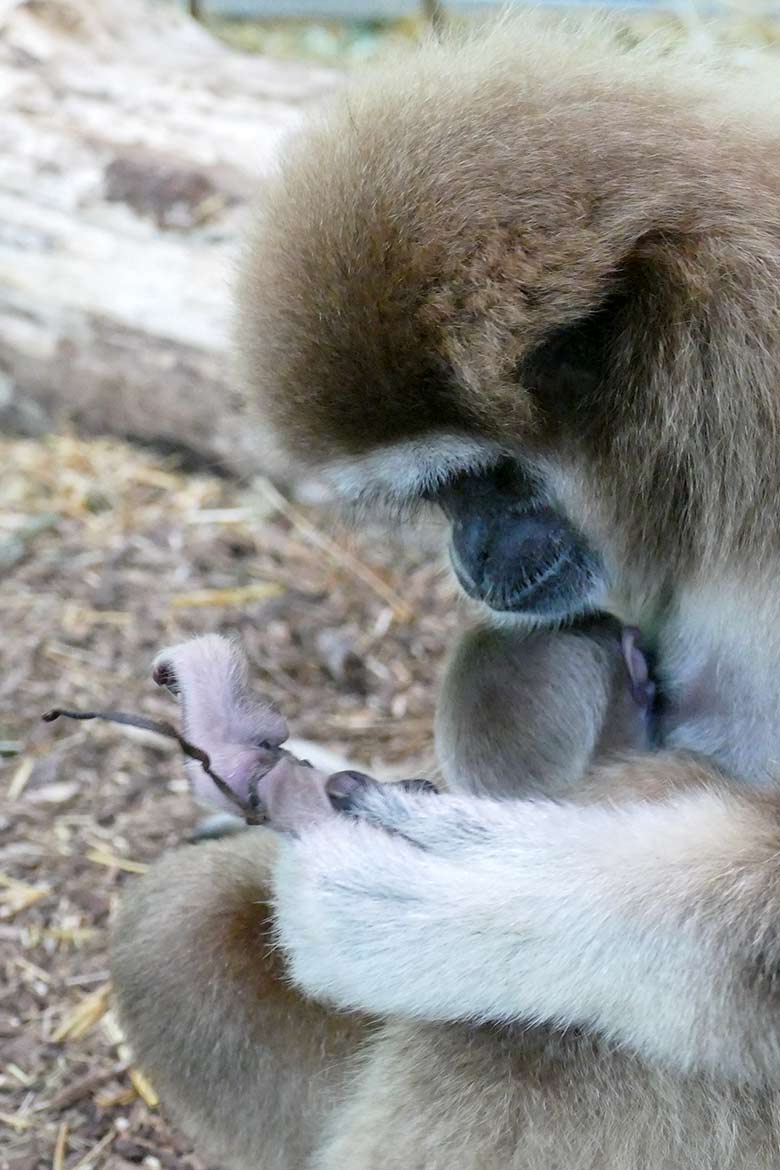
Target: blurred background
x=139 y=504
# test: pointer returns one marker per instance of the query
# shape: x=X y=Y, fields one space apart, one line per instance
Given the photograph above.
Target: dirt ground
x=107 y=554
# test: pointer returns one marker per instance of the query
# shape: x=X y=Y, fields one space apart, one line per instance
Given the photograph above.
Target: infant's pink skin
x=641 y=684
x=239 y=732
x=241 y=735
x=294 y=796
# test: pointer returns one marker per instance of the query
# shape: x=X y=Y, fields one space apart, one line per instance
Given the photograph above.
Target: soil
x=107 y=554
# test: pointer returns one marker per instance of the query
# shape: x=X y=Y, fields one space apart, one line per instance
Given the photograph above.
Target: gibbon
x=530 y=278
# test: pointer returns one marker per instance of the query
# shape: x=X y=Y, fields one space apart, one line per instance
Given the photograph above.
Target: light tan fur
x=241 y=1059
x=264 y=1079
x=546 y=245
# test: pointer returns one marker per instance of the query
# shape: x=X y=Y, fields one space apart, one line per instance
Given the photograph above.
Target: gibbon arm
x=652 y=921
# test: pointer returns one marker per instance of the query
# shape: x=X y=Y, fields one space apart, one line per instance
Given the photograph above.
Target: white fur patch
x=598 y=917
x=403 y=472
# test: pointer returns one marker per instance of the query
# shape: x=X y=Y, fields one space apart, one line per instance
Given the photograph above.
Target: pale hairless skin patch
x=641 y=685
x=241 y=734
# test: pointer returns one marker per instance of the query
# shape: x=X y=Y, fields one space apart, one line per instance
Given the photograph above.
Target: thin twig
x=252 y=814
x=92 y=1155
x=337 y=552
x=76 y=1091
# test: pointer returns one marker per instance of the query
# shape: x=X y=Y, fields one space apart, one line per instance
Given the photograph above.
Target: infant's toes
x=164 y=675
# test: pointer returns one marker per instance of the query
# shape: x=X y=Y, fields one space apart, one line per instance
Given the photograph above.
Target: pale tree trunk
x=130 y=142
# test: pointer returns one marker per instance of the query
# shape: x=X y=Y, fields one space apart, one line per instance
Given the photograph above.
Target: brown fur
x=570 y=249
x=239 y=1057
x=546 y=240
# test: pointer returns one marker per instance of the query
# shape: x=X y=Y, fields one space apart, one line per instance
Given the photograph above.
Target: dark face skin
x=512 y=551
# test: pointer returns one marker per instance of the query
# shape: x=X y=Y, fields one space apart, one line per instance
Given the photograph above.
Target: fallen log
x=130 y=143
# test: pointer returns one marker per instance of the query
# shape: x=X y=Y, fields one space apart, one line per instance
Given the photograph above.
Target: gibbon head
x=533 y=278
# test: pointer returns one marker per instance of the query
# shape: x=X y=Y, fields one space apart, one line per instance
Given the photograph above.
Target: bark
x=130 y=143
